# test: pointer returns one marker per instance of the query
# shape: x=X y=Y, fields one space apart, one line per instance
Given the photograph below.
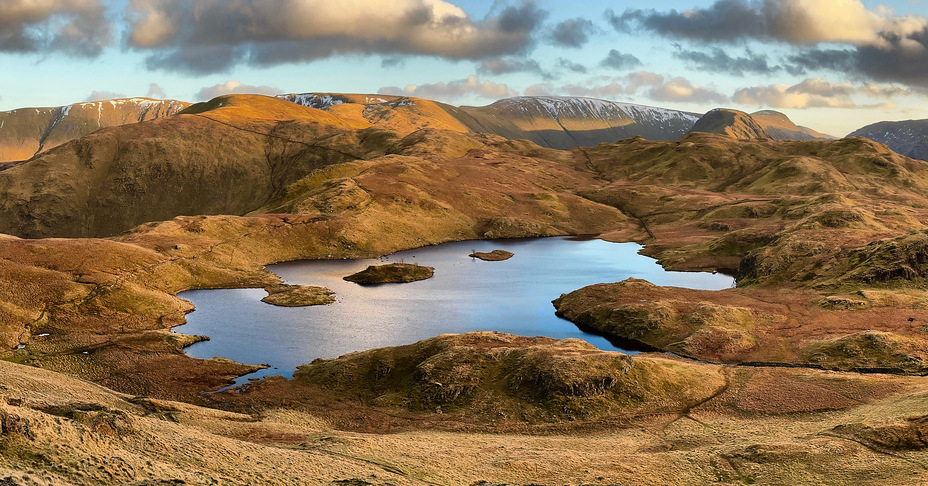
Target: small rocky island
x=493 y=256
x=298 y=295
x=391 y=273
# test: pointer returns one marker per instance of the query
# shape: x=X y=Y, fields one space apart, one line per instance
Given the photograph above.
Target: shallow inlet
x=466 y=294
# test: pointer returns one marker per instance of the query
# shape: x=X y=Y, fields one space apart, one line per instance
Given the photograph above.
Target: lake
x=466 y=294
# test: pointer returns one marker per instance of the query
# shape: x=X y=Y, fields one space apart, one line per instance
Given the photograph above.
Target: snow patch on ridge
x=312 y=100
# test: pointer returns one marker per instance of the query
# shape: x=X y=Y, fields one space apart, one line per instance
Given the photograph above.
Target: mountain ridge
x=559 y=122
x=26 y=132
x=761 y=124
x=907 y=137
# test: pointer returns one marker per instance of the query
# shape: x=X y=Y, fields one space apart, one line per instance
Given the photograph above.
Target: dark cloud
x=792 y=21
x=234 y=87
x=841 y=60
x=894 y=65
x=620 y=61
x=726 y=20
x=718 y=61
x=571 y=66
x=906 y=61
x=392 y=62
x=497 y=66
x=572 y=33
x=208 y=36
x=878 y=46
x=103 y=95
x=470 y=86
x=73 y=27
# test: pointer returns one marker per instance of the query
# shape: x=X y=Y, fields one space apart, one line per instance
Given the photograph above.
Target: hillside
x=228 y=156
x=28 y=131
x=909 y=138
x=564 y=122
x=549 y=121
x=762 y=124
x=827 y=240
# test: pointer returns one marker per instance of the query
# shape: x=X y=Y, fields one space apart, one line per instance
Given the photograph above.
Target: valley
x=811 y=368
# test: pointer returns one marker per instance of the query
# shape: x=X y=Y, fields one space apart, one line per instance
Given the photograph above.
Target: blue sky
x=834 y=65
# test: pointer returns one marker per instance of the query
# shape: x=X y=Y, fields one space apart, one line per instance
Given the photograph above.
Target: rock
x=493 y=256
x=298 y=295
x=391 y=273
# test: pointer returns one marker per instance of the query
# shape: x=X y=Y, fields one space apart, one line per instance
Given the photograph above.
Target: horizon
x=833 y=74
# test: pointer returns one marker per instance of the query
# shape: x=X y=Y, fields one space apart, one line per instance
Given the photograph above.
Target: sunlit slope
x=28 y=131
x=228 y=156
x=549 y=121
x=762 y=124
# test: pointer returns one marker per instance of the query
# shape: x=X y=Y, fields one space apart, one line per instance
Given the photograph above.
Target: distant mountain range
x=549 y=121
x=909 y=138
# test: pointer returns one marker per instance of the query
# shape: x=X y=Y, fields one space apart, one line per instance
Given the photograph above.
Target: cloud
x=815 y=93
x=234 y=87
x=103 y=95
x=879 y=44
x=571 y=66
x=392 y=62
x=470 y=86
x=620 y=61
x=73 y=27
x=792 y=21
x=499 y=65
x=726 y=20
x=541 y=89
x=652 y=85
x=842 y=60
x=208 y=36
x=572 y=33
x=155 y=91
x=718 y=61
x=681 y=90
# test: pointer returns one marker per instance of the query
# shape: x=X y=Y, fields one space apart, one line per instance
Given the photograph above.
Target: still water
x=466 y=294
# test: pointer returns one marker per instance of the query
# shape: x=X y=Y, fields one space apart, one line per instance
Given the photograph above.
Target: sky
x=832 y=65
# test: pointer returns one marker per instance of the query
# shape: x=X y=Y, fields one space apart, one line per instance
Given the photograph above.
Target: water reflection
x=466 y=294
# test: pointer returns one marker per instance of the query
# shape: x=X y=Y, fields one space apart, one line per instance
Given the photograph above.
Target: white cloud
x=235 y=87
x=815 y=93
x=103 y=95
x=155 y=91
x=470 y=86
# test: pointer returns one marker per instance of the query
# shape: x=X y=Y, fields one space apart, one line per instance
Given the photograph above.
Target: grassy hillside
x=28 y=131
x=827 y=240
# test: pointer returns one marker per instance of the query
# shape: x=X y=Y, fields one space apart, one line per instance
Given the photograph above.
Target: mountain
x=227 y=156
x=26 y=132
x=567 y=122
x=909 y=138
x=549 y=121
x=779 y=127
x=553 y=122
x=762 y=124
